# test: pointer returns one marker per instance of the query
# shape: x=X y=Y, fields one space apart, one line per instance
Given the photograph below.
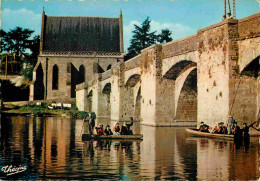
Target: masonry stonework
x=204 y=77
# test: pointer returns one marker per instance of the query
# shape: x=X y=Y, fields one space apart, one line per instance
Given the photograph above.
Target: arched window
x=109 y=67
x=55 y=77
x=81 y=74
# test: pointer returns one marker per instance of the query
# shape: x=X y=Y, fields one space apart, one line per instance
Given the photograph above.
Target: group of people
x=234 y=129
x=220 y=128
x=229 y=16
x=125 y=129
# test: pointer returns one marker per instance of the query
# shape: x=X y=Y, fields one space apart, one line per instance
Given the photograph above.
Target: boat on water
x=211 y=135
x=86 y=137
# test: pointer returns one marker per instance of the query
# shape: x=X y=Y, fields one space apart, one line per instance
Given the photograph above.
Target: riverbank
x=43 y=110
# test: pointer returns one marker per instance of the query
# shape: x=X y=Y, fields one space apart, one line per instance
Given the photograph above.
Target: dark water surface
x=50 y=148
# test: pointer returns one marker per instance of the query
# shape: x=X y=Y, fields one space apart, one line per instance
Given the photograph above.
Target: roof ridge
x=84 y=17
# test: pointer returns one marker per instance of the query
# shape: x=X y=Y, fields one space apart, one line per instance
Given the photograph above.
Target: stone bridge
x=203 y=77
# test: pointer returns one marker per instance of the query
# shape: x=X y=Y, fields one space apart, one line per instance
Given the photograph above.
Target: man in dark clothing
x=203 y=127
x=91 y=123
x=237 y=133
x=245 y=133
x=108 y=130
x=125 y=130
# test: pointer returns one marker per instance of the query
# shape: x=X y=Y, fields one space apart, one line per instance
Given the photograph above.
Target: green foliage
x=27 y=71
x=165 y=36
x=78 y=114
x=143 y=38
x=36 y=110
x=16 y=44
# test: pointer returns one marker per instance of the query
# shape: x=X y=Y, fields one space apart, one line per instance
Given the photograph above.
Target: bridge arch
x=107 y=88
x=133 y=80
x=137 y=103
x=248 y=54
x=182 y=76
x=186 y=94
x=169 y=63
x=131 y=100
x=176 y=69
x=89 y=100
x=246 y=88
x=105 y=105
x=131 y=72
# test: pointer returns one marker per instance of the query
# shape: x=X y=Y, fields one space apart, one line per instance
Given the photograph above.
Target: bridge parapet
x=133 y=62
x=106 y=74
x=178 y=47
x=249 y=27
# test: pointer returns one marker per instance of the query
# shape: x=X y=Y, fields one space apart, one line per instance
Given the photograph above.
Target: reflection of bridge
x=192 y=79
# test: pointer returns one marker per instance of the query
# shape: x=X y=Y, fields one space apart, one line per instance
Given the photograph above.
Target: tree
x=17 y=44
x=165 y=36
x=142 y=38
x=20 y=38
x=34 y=46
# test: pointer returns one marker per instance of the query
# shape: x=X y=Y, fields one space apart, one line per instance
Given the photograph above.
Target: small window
x=55 y=77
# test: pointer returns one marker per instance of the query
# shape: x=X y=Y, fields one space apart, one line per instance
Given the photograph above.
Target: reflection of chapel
x=72 y=50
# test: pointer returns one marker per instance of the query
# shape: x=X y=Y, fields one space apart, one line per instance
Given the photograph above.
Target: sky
x=182 y=17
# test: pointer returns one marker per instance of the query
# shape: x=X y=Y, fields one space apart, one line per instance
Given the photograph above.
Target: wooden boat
x=210 y=135
x=86 y=137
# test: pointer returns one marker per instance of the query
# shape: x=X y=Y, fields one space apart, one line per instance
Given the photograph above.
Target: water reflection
x=51 y=148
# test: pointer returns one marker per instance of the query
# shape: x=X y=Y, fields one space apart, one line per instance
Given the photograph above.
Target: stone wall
x=115 y=93
x=148 y=85
x=68 y=73
x=165 y=90
x=81 y=99
x=249 y=27
x=213 y=74
x=244 y=99
x=178 y=47
x=193 y=79
x=133 y=62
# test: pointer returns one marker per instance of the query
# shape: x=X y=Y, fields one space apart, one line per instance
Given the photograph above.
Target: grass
x=40 y=110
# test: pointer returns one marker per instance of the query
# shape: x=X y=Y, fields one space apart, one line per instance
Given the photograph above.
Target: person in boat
x=126 y=128
x=108 y=130
x=231 y=122
x=245 y=131
x=203 y=127
x=116 y=129
x=91 y=123
x=237 y=132
x=216 y=128
x=100 y=130
x=222 y=128
x=87 y=126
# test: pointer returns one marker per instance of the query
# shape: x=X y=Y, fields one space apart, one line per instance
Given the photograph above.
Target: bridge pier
x=204 y=77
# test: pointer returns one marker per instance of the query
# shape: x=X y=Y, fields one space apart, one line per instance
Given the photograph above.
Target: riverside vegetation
x=43 y=109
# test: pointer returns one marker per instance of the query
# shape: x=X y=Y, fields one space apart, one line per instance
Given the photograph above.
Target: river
x=51 y=148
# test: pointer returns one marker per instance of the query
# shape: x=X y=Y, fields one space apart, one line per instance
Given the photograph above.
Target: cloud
x=22 y=17
x=178 y=30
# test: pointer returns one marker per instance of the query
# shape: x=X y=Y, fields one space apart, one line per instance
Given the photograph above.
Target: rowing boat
x=211 y=135
x=86 y=137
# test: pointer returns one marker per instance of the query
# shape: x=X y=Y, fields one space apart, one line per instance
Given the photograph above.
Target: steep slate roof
x=63 y=33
